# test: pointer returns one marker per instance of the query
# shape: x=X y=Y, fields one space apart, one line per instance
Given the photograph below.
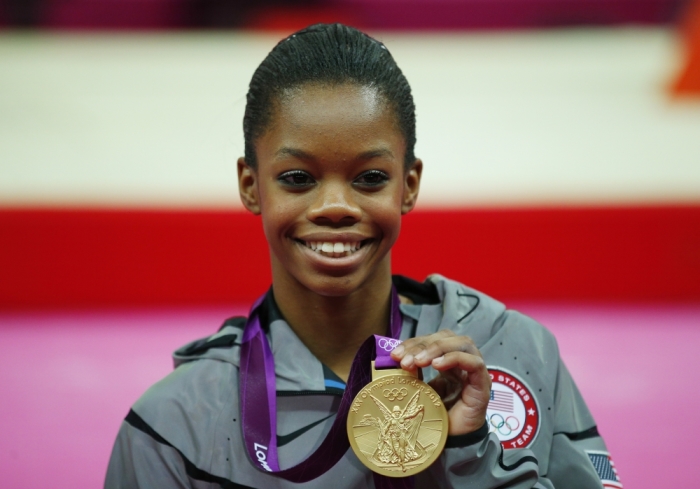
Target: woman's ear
x=248 y=187
x=411 y=186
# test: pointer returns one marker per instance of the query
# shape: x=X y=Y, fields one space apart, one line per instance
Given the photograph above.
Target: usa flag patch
x=605 y=468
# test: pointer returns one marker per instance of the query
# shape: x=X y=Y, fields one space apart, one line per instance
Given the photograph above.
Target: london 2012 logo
x=512 y=412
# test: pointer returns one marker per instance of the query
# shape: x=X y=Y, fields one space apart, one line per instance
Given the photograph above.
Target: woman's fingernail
x=421 y=356
x=407 y=361
x=398 y=350
x=438 y=360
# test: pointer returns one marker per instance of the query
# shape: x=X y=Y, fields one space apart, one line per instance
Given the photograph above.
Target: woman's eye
x=296 y=178
x=372 y=178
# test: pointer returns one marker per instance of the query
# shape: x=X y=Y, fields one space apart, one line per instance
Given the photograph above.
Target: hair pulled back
x=327 y=54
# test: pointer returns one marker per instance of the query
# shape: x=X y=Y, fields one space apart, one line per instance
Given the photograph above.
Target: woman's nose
x=334 y=204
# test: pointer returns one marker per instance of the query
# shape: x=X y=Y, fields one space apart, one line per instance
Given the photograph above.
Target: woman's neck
x=334 y=328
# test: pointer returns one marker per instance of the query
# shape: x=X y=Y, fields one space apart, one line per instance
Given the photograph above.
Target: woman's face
x=331 y=187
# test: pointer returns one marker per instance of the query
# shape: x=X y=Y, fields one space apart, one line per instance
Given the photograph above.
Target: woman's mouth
x=334 y=249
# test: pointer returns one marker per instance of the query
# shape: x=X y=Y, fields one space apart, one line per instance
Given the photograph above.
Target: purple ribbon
x=258 y=400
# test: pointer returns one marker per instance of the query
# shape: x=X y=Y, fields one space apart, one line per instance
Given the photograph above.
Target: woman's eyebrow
x=294 y=152
x=375 y=153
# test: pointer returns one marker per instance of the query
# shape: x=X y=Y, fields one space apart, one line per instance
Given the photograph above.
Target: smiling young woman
x=331 y=186
x=329 y=166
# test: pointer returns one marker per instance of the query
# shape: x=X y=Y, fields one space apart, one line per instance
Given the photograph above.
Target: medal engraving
x=397 y=424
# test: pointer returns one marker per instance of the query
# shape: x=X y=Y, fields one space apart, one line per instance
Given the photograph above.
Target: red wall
x=93 y=258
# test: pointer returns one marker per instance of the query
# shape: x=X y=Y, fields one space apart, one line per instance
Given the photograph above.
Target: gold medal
x=397 y=424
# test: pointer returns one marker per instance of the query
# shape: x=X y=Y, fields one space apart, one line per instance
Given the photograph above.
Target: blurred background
x=561 y=142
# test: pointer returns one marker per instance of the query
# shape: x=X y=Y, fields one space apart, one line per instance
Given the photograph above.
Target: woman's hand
x=464 y=383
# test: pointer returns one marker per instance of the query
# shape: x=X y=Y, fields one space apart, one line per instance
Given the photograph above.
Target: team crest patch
x=512 y=412
x=605 y=468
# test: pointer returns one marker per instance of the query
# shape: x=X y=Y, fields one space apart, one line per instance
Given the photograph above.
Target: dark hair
x=327 y=54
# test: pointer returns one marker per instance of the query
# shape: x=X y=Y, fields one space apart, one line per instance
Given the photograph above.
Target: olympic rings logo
x=388 y=344
x=501 y=424
x=395 y=394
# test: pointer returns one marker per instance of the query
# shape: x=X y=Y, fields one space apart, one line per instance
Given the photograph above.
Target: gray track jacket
x=185 y=431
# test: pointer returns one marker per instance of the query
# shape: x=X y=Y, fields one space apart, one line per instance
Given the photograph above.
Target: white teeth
x=333 y=249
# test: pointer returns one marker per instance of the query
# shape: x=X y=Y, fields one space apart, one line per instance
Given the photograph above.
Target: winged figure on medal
x=398 y=432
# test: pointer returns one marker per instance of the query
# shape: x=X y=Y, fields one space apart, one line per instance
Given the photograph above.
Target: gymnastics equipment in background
x=62 y=258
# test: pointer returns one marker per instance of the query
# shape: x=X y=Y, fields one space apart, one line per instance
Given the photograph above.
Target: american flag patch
x=605 y=468
x=501 y=401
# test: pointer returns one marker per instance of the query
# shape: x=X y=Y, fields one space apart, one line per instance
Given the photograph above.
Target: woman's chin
x=333 y=286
